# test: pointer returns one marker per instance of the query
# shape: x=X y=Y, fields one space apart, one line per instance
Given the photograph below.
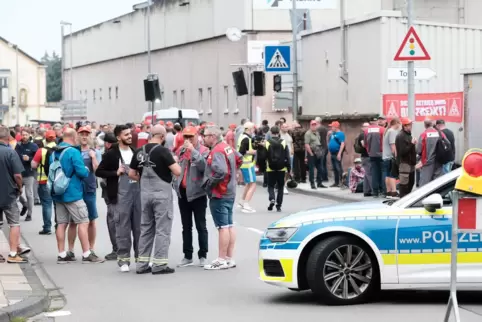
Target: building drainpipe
x=461 y=12
x=343 y=33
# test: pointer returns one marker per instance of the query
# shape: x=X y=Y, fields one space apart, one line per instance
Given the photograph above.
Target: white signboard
x=73 y=111
x=256 y=50
x=421 y=73
x=288 y=4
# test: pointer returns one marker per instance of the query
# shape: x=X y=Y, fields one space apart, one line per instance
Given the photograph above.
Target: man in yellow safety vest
x=245 y=148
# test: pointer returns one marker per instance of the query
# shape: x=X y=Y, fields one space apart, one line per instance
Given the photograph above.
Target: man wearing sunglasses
x=191 y=195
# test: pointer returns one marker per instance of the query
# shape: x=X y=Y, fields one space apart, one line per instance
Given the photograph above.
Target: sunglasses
x=188 y=136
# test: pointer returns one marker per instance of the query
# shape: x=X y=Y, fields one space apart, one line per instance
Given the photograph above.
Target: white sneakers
x=247 y=209
x=219 y=264
x=125 y=268
x=285 y=191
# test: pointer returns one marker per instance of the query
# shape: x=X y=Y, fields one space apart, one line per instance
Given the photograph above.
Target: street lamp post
x=62 y=24
x=17 y=109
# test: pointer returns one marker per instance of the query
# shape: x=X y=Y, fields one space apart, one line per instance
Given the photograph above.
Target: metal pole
x=63 y=60
x=17 y=111
x=295 y=63
x=411 y=68
x=151 y=104
x=250 y=95
x=71 y=67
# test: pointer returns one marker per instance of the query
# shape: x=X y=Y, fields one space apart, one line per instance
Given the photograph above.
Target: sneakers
x=231 y=263
x=247 y=209
x=16 y=259
x=144 y=271
x=111 y=257
x=2 y=259
x=271 y=205
x=24 y=211
x=185 y=262
x=217 y=264
x=92 y=259
x=278 y=208
x=285 y=191
x=23 y=250
x=28 y=218
x=124 y=268
x=70 y=257
x=45 y=232
x=203 y=262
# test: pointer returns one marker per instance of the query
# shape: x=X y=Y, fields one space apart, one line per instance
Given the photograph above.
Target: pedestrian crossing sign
x=277 y=58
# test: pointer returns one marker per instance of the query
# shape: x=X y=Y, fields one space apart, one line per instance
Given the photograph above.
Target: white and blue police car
x=346 y=253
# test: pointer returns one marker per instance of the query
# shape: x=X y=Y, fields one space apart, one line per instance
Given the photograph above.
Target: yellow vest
x=42 y=176
x=248 y=159
x=283 y=143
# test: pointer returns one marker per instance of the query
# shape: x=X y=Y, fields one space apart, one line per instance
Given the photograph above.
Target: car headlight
x=280 y=235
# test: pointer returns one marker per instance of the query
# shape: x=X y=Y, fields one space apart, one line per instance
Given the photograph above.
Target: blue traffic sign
x=277 y=58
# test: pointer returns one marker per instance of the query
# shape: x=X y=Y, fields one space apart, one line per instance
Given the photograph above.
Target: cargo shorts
x=12 y=213
x=75 y=212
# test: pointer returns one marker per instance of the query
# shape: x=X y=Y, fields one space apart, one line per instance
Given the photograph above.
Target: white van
x=175 y=115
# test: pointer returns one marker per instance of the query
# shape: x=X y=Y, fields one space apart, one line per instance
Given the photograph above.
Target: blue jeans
x=46 y=201
x=222 y=212
x=315 y=163
x=337 y=169
x=447 y=167
x=324 y=168
x=377 y=176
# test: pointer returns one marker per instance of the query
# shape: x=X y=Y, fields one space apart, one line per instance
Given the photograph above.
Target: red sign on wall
x=444 y=106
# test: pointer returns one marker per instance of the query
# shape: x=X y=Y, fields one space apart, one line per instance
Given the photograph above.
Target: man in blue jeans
x=40 y=162
x=336 y=146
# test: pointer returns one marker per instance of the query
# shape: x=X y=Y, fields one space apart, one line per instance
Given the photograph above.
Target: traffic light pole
x=17 y=109
x=295 y=63
x=411 y=68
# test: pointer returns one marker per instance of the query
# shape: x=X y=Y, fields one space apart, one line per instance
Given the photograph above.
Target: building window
x=110 y=92
x=200 y=100
x=226 y=100
x=236 y=110
x=100 y=94
x=116 y=92
x=4 y=91
x=174 y=99
x=93 y=94
x=210 y=100
x=183 y=100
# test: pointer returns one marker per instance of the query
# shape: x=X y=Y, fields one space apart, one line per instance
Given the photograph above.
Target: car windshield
x=426 y=189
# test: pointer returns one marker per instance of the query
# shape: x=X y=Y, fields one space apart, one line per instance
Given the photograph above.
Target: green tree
x=54 y=76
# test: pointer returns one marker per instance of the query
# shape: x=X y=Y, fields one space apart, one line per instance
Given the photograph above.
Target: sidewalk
x=22 y=294
x=336 y=194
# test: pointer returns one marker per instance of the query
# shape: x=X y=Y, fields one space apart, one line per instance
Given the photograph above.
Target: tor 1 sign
x=421 y=73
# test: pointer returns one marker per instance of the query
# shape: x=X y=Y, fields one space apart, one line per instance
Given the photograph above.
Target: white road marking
x=254 y=230
x=57 y=314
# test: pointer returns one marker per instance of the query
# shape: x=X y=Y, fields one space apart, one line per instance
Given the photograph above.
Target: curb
x=33 y=305
x=321 y=195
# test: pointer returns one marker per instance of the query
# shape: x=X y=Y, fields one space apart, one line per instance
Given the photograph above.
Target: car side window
x=445 y=191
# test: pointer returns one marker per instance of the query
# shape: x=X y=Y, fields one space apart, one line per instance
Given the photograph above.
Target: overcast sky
x=35 y=24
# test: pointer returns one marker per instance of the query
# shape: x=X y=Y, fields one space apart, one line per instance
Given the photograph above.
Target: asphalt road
x=102 y=293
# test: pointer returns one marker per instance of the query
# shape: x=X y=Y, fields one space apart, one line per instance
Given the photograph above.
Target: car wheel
x=342 y=271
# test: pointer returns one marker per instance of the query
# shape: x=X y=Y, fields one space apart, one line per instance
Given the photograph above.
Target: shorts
x=249 y=174
x=67 y=212
x=387 y=168
x=222 y=212
x=12 y=213
x=90 y=200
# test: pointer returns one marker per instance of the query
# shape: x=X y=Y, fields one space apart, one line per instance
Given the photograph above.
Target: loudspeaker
x=258 y=81
x=240 y=83
x=152 y=91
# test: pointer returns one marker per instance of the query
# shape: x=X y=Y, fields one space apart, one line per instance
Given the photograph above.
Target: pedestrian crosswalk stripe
x=277 y=61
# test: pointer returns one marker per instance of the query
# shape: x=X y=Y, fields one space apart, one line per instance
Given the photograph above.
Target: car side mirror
x=433 y=202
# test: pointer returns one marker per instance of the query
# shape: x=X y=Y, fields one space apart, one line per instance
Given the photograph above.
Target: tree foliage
x=54 y=76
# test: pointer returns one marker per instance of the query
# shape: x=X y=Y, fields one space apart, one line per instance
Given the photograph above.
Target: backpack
x=358 y=147
x=276 y=155
x=443 y=150
x=58 y=181
x=46 y=166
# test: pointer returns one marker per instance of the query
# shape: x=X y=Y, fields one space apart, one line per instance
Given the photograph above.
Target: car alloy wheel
x=347 y=272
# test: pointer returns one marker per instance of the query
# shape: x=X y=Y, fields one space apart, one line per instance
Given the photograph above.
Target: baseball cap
x=84 y=129
x=358 y=160
x=232 y=126
x=335 y=124
x=50 y=134
x=406 y=121
x=189 y=131
x=110 y=138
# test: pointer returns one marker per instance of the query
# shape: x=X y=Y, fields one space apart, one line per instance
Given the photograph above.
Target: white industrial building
x=193 y=57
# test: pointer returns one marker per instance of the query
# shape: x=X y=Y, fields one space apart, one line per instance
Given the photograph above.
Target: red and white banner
x=470 y=213
x=445 y=106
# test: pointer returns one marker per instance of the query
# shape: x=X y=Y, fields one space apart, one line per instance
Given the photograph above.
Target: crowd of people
x=142 y=169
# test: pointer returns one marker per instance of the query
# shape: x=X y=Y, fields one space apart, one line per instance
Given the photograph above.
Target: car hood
x=369 y=208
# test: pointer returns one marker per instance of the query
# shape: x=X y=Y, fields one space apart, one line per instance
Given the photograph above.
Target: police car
x=346 y=253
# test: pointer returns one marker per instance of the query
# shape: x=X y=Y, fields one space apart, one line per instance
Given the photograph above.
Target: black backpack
x=443 y=150
x=276 y=155
x=358 y=147
x=48 y=158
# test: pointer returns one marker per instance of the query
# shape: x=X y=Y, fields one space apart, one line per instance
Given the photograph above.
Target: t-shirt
x=90 y=183
x=389 y=138
x=126 y=155
x=169 y=140
x=161 y=157
x=336 y=139
x=10 y=165
x=288 y=139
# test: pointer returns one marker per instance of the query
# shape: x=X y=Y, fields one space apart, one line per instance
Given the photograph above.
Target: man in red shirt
x=143 y=136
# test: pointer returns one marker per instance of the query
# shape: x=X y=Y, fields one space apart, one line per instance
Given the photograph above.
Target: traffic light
x=277 y=83
x=471 y=178
x=13 y=101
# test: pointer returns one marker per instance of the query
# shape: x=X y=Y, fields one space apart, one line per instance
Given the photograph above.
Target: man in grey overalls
x=153 y=165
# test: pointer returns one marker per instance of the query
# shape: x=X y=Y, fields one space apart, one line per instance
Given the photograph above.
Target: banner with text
x=444 y=106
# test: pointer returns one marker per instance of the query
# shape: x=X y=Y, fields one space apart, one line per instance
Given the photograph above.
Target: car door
x=424 y=242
